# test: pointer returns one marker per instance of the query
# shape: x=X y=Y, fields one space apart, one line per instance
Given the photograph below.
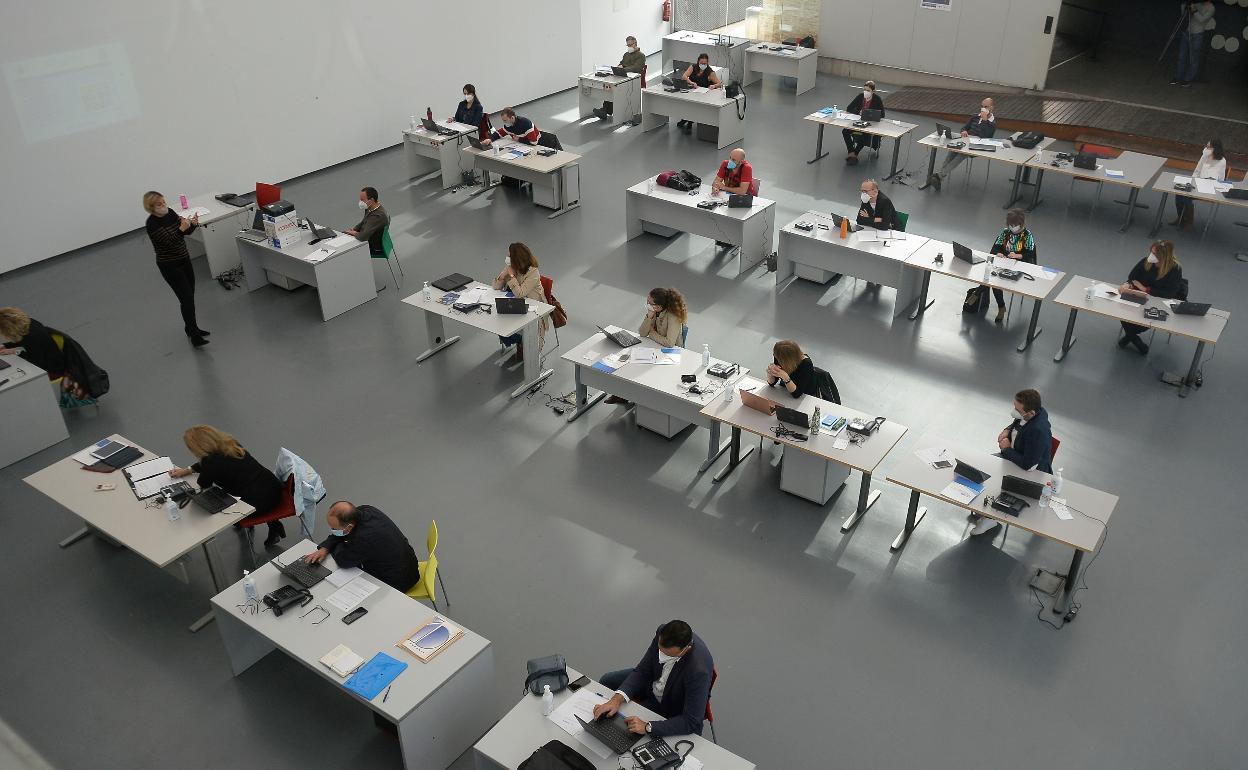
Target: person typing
x=365 y=537
x=632 y=61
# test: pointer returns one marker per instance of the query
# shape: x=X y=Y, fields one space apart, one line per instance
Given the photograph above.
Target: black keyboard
x=613 y=733
x=306 y=575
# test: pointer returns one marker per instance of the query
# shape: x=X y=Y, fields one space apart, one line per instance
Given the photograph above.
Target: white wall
x=605 y=24
x=995 y=41
x=213 y=95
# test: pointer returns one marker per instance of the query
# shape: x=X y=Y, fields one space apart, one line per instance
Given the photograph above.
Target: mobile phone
x=354 y=615
x=105 y=487
x=579 y=683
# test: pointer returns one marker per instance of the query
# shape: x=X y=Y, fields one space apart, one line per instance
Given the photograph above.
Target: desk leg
x=1067 y=342
x=533 y=373
x=80 y=534
x=210 y=557
x=1161 y=212
x=914 y=514
x=1072 y=577
x=931 y=169
x=487 y=184
x=924 y=303
x=1018 y=180
x=1035 y=193
x=735 y=456
x=714 y=449
x=561 y=185
x=583 y=405
x=1131 y=204
x=436 y=332
x=866 y=498
x=1190 y=379
x=892 y=168
x=819 y=153
x=1033 y=330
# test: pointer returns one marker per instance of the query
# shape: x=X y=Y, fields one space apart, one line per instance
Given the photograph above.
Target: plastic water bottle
x=1057 y=482
x=731 y=395
x=413 y=122
x=171 y=509
x=249 y=585
x=548 y=700
x=814 y=421
x=428 y=292
x=706 y=356
x=1046 y=494
x=1090 y=292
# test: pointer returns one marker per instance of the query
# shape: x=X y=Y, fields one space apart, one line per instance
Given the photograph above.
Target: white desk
x=343 y=280
x=703 y=106
x=428 y=151
x=885 y=129
x=818 y=254
x=1017 y=157
x=1039 y=289
x=789 y=61
x=811 y=469
x=1090 y=508
x=1165 y=186
x=214 y=238
x=680 y=49
x=126 y=520
x=436 y=706
x=663 y=403
x=624 y=93
x=524 y=730
x=493 y=323
x=29 y=410
x=1138 y=171
x=666 y=212
x=556 y=179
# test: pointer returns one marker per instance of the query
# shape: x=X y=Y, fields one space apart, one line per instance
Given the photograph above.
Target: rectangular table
x=438 y=707
x=127 y=521
x=214 y=238
x=1091 y=508
x=624 y=93
x=800 y=63
x=684 y=48
x=666 y=212
x=985 y=274
x=524 y=729
x=493 y=323
x=818 y=254
x=427 y=152
x=1138 y=172
x=663 y=403
x=703 y=106
x=1204 y=329
x=1010 y=156
x=343 y=280
x=885 y=129
x=29 y=410
x=811 y=469
x=1165 y=186
x=555 y=179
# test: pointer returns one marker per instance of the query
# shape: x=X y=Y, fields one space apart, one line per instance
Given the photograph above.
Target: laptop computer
x=970 y=472
x=620 y=72
x=836 y=220
x=511 y=306
x=622 y=338
x=793 y=416
x=256 y=233
x=476 y=143
x=871 y=116
x=613 y=732
x=756 y=402
x=965 y=254
x=212 y=499
x=980 y=147
x=3 y=364
x=1021 y=487
x=1237 y=193
x=319 y=233
x=435 y=128
x=452 y=282
x=1192 y=308
x=1136 y=298
x=306 y=575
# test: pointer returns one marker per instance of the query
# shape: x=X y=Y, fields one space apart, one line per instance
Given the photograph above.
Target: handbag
x=1029 y=139
x=685 y=181
x=1085 y=160
x=555 y=755
x=551 y=670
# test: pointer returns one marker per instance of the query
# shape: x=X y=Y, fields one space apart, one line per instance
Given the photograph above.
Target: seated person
x=856 y=140
x=469 y=112
x=735 y=175
x=982 y=125
x=877 y=210
x=666 y=314
x=701 y=75
x=792 y=370
x=633 y=60
x=673 y=679
x=221 y=460
x=519 y=128
x=1157 y=275
x=1027 y=442
x=1015 y=242
x=521 y=277
x=374 y=223
x=1212 y=165
x=365 y=537
x=20 y=331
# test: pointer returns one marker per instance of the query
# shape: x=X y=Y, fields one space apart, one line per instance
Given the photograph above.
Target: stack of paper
x=581 y=703
x=349 y=596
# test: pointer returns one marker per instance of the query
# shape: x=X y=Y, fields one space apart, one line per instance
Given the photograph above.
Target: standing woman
x=168 y=232
x=470 y=112
x=221 y=460
x=520 y=275
x=1157 y=275
x=1212 y=165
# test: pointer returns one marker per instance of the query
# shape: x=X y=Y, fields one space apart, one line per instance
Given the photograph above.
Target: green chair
x=387 y=250
x=902 y=219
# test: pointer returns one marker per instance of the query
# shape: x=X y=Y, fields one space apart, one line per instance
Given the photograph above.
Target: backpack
x=685 y=181
x=555 y=755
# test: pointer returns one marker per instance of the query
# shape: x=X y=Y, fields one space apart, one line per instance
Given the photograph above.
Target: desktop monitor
x=267 y=193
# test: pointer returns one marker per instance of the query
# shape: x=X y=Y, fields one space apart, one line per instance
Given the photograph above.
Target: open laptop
x=871 y=116
x=756 y=402
x=452 y=282
x=620 y=337
x=965 y=254
x=620 y=72
x=306 y=575
x=433 y=127
x=612 y=732
x=319 y=233
x=1237 y=193
x=1192 y=308
x=510 y=306
x=836 y=220
x=1017 y=485
x=970 y=472
x=256 y=233
x=793 y=416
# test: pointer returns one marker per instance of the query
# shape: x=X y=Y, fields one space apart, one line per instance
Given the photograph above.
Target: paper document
x=1182 y=180
x=152 y=485
x=343 y=575
x=473 y=296
x=842 y=442
x=1206 y=186
x=338 y=241
x=349 y=596
x=962 y=490
x=937 y=457
x=149 y=468
x=1114 y=173
x=691 y=763
x=1058 y=504
x=581 y=703
x=320 y=255
x=194 y=211
x=646 y=355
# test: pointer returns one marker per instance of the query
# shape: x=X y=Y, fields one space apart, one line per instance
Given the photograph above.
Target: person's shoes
x=203 y=333
x=984 y=526
x=1185 y=84
x=934 y=181
x=852 y=159
x=1000 y=314
x=1139 y=345
x=276 y=533
x=601 y=114
x=199 y=342
x=836 y=277
x=616 y=400
x=1176 y=82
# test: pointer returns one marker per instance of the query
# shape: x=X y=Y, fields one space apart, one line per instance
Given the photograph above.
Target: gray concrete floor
x=581 y=538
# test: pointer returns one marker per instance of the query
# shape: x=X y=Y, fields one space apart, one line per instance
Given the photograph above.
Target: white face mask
x=865 y=197
x=1206 y=152
x=665 y=659
x=867 y=93
x=703 y=66
x=1151 y=258
x=468 y=98
x=507 y=261
x=160 y=211
x=651 y=308
x=363 y=205
x=632 y=49
x=1017 y=415
x=1016 y=229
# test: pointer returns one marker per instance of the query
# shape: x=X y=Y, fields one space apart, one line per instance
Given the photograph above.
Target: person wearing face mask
x=521 y=277
x=365 y=537
x=856 y=140
x=1015 y=242
x=469 y=112
x=1027 y=442
x=221 y=460
x=517 y=127
x=374 y=223
x=673 y=679
x=876 y=210
x=664 y=321
x=1159 y=275
x=167 y=231
x=735 y=175
x=702 y=75
x=982 y=125
x=1212 y=165
x=633 y=61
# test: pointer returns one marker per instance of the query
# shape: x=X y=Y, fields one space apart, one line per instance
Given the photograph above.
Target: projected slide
x=72 y=91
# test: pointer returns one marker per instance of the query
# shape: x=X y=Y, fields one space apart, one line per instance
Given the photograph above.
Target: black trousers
x=608 y=107
x=1133 y=330
x=1000 y=295
x=856 y=140
x=180 y=276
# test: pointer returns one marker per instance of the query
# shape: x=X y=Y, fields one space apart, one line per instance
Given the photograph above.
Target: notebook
x=342 y=661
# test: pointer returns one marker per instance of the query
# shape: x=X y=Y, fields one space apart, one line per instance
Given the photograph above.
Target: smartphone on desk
x=579 y=683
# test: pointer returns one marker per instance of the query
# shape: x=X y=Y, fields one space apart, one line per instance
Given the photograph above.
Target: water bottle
x=731 y=395
x=836 y=111
x=1046 y=494
x=814 y=421
x=413 y=122
x=548 y=700
x=1090 y=292
x=1057 y=482
x=706 y=356
x=428 y=292
x=171 y=509
x=184 y=202
x=249 y=585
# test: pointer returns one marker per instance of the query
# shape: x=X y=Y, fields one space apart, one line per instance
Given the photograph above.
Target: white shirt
x=660 y=684
x=1208 y=168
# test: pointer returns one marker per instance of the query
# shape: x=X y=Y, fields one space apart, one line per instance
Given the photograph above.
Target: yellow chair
x=425 y=588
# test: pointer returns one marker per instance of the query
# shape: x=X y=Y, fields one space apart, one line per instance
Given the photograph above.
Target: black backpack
x=556 y=755
x=81 y=369
x=1029 y=139
x=685 y=181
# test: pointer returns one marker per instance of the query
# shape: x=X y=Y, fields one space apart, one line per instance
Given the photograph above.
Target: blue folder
x=375 y=676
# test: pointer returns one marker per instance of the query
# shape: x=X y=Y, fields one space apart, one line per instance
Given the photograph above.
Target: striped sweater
x=167 y=239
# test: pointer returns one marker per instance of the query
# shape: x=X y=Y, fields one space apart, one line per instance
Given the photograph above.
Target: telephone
x=286 y=596
x=656 y=754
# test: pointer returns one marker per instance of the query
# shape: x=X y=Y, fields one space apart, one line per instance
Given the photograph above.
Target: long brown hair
x=521 y=258
x=788 y=354
x=14 y=324
x=204 y=440
x=1166 y=261
x=670 y=301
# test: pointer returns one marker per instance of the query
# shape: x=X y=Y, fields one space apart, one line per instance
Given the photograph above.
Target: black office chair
x=550 y=141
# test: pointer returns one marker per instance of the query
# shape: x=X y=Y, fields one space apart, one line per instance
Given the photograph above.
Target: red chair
x=484 y=129
x=548 y=285
x=710 y=718
x=283 y=510
x=644 y=69
x=1053 y=448
x=754 y=185
x=267 y=193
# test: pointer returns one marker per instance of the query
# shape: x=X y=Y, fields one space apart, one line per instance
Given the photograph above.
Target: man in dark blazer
x=673 y=680
x=1027 y=442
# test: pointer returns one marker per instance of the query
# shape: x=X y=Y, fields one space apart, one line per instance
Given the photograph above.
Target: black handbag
x=685 y=181
x=1029 y=139
x=551 y=670
x=1085 y=160
x=556 y=755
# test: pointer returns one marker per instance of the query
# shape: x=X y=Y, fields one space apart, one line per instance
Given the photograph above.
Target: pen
x=387 y=695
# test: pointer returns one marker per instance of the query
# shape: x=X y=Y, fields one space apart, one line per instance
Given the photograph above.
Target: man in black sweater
x=374 y=222
x=876 y=210
x=365 y=537
x=982 y=125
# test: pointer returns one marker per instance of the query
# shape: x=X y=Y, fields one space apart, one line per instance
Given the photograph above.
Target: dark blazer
x=378 y=547
x=883 y=209
x=687 y=691
x=1033 y=444
x=244 y=477
x=855 y=106
x=40 y=350
x=1168 y=286
x=470 y=116
x=984 y=129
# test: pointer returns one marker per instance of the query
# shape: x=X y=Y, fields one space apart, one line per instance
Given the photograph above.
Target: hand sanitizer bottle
x=548 y=700
x=413 y=122
x=1046 y=494
x=171 y=509
x=249 y=585
x=428 y=292
x=1057 y=482
x=706 y=356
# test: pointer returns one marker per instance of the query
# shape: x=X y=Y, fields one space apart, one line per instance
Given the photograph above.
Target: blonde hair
x=1166 y=261
x=204 y=440
x=14 y=324
x=869 y=84
x=150 y=199
x=788 y=354
x=671 y=301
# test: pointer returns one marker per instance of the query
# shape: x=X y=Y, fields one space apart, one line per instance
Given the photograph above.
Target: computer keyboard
x=305 y=574
x=614 y=735
x=214 y=499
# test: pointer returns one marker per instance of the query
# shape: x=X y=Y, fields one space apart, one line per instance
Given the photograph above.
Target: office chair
x=283 y=510
x=902 y=220
x=65 y=399
x=267 y=193
x=425 y=588
x=755 y=185
x=710 y=718
x=684 y=334
x=387 y=249
x=548 y=285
